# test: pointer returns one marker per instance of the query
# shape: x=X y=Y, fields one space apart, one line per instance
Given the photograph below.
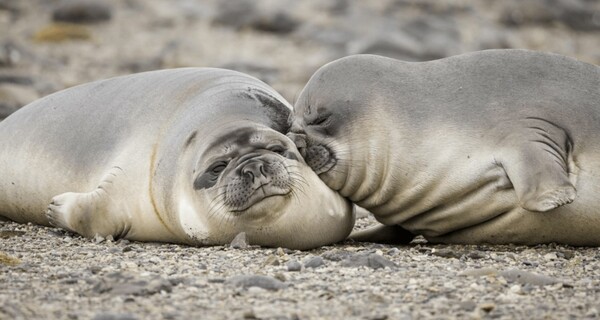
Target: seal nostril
x=261 y=168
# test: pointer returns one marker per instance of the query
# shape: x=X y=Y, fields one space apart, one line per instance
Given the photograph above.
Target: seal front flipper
x=383 y=234
x=539 y=164
x=90 y=213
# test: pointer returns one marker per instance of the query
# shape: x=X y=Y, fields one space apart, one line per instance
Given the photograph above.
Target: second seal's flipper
x=383 y=234
x=538 y=162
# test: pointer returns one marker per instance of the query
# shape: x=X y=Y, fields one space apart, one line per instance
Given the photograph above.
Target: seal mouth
x=320 y=158
x=263 y=192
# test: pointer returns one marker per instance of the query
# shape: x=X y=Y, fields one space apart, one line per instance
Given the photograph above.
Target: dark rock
x=241 y=14
x=476 y=255
x=82 y=11
x=294 y=265
x=240 y=241
x=531 y=263
x=526 y=277
x=143 y=65
x=21 y=80
x=279 y=22
x=576 y=14
x=265 y=282
x=566 y=254
x=314 y=262
x=371 y=260
x=114 y=316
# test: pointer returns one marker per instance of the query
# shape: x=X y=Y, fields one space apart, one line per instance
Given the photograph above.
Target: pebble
x=526 y=277
x=371 y=260
x=82 y=11
x=243 y=14
x=336 y=255
x=132 y=284
x=478 y=272
x=294 y=265
x=271 y=260
x=314 y=262
x=114 y=316
x=240 y=241
x=264 y=282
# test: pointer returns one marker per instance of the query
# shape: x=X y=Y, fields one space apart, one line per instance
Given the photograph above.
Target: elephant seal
x=191 y=155
x=498 y=146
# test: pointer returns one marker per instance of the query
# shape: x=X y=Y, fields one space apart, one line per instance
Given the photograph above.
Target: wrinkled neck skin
x=365 y=162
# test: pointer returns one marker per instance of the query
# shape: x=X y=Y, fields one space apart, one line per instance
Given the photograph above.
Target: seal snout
x=255 y=170
x=255 y=179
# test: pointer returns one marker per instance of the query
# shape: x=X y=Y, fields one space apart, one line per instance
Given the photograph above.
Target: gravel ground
x=48 y=273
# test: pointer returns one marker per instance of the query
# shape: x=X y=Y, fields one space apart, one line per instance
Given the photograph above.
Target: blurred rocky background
x=48 y=45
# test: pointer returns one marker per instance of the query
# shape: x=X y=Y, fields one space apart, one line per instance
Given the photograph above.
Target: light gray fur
x=484 y=147
x=119 y=156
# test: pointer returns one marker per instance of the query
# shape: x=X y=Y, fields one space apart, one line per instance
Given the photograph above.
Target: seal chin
x=258 y=196
x=320 y=158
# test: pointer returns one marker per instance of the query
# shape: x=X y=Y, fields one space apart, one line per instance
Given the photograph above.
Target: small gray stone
x=478 y=272
x=114 y=316
x=265 y=282
x=294 y=265
x=526 y=277
x=125 y=284
x=314 y=262
x=336 y=255
x=371 y=260
x=447 y=253
x=240 y=241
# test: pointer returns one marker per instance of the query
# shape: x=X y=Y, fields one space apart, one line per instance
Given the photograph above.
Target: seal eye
x=218 y=168
x=320 y=120
x=277 y=149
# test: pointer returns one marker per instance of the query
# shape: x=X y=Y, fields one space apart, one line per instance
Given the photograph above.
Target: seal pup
x=191 y=155
x=497 y=146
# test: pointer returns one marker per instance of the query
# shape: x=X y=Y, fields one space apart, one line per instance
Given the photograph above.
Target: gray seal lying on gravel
x=498 y=146
x=187 y=155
